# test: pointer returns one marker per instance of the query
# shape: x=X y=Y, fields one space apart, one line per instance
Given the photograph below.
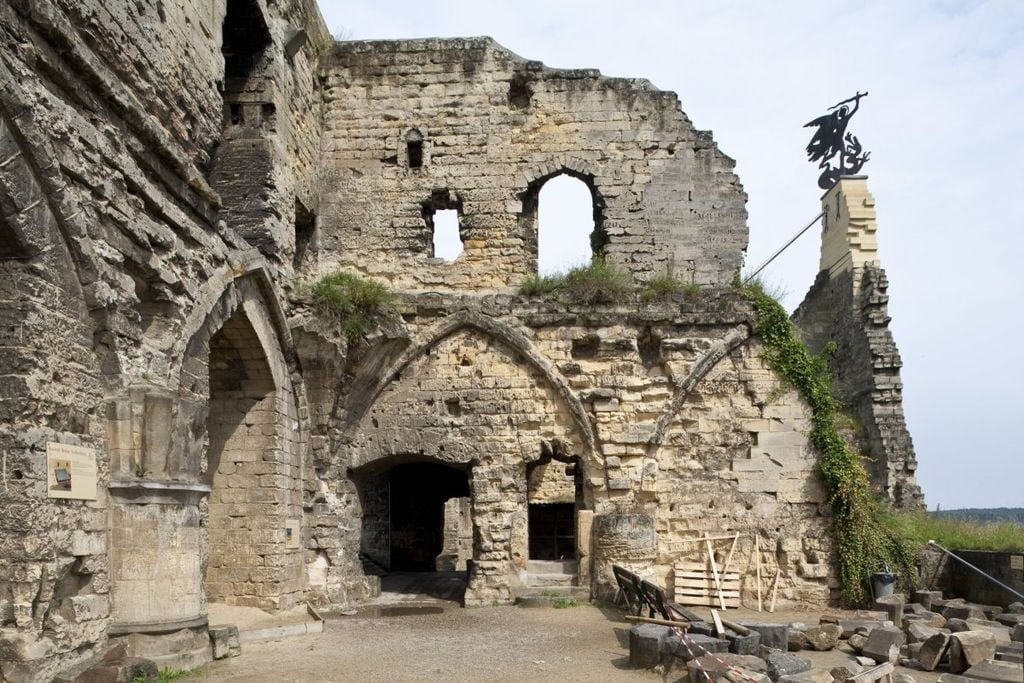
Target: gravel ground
x=486 y=644
x=582 y=643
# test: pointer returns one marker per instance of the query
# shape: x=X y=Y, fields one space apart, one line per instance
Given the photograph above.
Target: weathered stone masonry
x=168 y=171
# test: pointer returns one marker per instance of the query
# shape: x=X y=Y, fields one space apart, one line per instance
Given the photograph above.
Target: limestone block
x=1001 y=672
x=85 y=543
x=773 y=636
x=645 y=645
x=224 y=641
x=784 y=664
x=918 y=632
x=968 y=648
x=892 y=605
x=883 y=644
x=824 y=637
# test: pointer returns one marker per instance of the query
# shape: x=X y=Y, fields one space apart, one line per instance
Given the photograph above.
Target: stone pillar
x=848 y=226
x=156 y=571
x=628 y=540
x=497 y=493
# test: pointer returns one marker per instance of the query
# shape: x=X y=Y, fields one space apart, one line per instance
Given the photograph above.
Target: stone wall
x=113 y=256
x=167 y=170
x=493 y=128
x=669 y=409
x=848 y=304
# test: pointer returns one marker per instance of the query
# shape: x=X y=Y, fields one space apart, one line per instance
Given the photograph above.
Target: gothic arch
x=503 y=333
x=698 y=371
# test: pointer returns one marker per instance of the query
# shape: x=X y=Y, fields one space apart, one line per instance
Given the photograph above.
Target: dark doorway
x=418 y=495
x=404 y=514
x=552 y=528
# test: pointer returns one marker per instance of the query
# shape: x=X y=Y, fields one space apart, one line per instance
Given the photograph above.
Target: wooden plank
x=732 y=549
x=661 y=622
x=711 y=558
x=775 y=589
x=727 y=537
x=757 y=554
x=710 y=590
x=706 y=580
x=719 y=628
x=731 y=576
x=695 y=601
x=695 y=593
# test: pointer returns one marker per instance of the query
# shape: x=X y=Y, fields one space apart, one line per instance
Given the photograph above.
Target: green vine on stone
x=866 y=536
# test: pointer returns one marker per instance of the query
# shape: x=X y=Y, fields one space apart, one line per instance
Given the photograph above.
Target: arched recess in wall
x=563 y=220
x=41 y=241
x=471 y=399
x=352 y=411
x=239 y=397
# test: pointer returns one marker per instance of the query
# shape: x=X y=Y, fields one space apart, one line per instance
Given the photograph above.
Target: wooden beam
x=661 y=622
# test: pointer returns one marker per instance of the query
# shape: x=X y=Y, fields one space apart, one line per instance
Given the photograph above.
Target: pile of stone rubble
x=966 y=641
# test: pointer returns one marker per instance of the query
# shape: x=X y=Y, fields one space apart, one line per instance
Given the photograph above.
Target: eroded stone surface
x=165 y=205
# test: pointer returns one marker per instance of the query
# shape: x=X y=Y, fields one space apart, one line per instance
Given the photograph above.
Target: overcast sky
x=944 y=123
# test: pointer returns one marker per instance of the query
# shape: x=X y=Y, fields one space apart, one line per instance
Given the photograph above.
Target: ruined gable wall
x=494 y=128
x=850 y=309
x=689 y=426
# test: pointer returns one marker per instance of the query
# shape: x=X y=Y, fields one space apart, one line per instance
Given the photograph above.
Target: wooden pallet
x=695 y=585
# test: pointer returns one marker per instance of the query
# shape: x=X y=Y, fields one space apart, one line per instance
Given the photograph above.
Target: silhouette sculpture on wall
x=831 y=140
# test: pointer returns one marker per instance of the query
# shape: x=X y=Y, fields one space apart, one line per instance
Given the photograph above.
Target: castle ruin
x=173 y=174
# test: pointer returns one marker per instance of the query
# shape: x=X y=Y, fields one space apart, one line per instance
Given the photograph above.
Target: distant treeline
x=985 y=514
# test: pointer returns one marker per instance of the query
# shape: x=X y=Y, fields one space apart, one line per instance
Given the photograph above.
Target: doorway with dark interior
x=416 y=529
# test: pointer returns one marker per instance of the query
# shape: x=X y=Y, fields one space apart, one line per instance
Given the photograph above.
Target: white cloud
x=944 y=122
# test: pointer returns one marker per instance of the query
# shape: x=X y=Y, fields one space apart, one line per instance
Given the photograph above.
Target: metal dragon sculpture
x=831 y=140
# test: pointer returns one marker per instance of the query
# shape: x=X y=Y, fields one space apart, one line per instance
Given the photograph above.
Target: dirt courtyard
x=582 y=643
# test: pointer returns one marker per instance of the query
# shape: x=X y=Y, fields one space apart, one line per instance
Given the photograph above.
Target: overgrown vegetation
x=598 y=282
x=665 y=287
x=867 y=537
x=961 y=534
x=353 y=299
x=563 y=603
x=165 y=674
x=539 y=285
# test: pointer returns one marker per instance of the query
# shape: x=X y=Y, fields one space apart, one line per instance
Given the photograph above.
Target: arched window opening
x=568 y=220
x=446 y=239
x=442 y=214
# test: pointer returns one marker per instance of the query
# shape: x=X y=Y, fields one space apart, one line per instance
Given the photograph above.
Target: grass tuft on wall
x=598 y=282
x=353 y=299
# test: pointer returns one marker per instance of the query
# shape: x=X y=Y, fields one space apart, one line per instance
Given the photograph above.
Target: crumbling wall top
x=490 y=128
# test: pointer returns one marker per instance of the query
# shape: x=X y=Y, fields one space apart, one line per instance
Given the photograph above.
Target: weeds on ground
x=353 y=299
x=961 y=534
x=563 y=603
x=162 y=676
